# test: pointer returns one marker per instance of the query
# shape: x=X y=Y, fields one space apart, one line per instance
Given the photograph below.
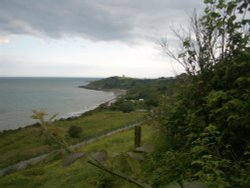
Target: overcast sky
x=89 y=38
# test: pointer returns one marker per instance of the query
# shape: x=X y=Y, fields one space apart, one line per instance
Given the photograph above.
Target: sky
x=90 y=38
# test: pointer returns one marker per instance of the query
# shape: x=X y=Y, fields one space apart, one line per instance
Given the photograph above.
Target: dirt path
x=25 y=163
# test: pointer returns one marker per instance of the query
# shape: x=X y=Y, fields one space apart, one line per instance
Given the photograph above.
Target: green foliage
x=206 y=152
x=219 y=35
x=52 y=135
x=126 y=106
x=120 y=165
x=211 y=121
x=171 y=167
x=141 y=93
x=116 y=82
x=74 y=131
x=207 y=118
x=104 y=180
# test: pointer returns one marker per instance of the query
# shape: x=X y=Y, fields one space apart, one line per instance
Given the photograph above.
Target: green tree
x=208 y=115
x=220 y=34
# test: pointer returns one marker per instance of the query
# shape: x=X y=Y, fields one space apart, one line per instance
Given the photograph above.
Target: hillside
x=51 y=173
x=117 y=82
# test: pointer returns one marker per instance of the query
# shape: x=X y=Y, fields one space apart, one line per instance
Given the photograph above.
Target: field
x=79 y=174
x=27 y=142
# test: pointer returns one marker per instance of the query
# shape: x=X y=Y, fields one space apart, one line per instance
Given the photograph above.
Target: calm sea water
x=19 y=96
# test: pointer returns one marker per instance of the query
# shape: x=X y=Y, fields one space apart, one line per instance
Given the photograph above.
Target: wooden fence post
x=137 y=136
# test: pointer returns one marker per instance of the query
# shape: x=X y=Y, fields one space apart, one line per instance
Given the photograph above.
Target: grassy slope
x=80 y=174
x=26 y=143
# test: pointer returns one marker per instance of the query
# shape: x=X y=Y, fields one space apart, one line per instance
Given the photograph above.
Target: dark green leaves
x=231 y=6
x=209 y=1
x=207 y=118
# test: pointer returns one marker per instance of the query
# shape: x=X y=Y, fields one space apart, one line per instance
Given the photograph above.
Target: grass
x=26 y=143
x=80 y=173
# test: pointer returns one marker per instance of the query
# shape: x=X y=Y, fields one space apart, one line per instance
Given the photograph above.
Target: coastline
x=74 y=115
x=117 y=92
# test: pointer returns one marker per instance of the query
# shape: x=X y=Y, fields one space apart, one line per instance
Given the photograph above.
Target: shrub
x=75 y=131
x=127 y=107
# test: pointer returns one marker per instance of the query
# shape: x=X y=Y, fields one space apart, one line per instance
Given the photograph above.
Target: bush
x=104 y=180
x=127 y=107
x=75 y=131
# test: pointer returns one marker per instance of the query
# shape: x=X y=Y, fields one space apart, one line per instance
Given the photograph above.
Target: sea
x=19 y=96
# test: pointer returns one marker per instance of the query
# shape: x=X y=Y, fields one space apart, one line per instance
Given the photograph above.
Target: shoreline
x=74 y=115
x=117 y=92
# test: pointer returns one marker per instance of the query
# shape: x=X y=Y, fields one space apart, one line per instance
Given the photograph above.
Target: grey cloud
x=95 y=19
